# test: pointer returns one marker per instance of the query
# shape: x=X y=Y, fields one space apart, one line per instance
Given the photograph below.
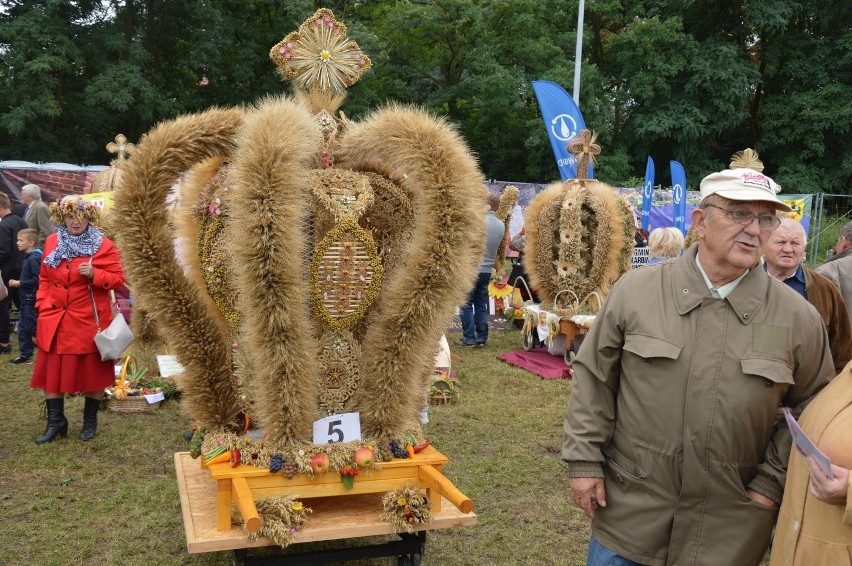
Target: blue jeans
x=599 y=555
x=26 y=328
x=474 y=314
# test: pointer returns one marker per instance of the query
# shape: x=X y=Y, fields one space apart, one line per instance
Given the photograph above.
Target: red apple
x=364 y=457
x=319 y=463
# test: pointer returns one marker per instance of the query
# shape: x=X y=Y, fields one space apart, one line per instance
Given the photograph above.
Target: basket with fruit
x=129 y=395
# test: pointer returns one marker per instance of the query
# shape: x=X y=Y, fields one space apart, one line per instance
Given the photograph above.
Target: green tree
x=692 y=80
x=42 y=67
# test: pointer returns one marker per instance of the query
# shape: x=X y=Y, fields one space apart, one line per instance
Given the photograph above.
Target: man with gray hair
x=670 y=437
x=38 y=214
x=784 y=257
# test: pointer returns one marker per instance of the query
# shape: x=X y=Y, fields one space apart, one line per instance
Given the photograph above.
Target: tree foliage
x=691 y=80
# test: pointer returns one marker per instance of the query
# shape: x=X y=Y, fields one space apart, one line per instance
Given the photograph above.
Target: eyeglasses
x=766 y=222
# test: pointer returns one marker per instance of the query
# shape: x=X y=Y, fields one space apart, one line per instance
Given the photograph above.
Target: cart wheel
x=406 y=560
x=529 y=341
x=569 y=356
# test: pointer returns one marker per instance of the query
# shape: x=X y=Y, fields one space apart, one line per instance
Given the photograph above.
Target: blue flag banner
x=678 y=196
x=647 y=194
x=563 y=121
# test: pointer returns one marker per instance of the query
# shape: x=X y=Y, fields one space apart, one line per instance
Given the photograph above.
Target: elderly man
x=38 y=213
x=838 y=268
x=671 y=441
x=784 y=255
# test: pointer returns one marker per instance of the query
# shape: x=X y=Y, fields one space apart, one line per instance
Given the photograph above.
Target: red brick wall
x=54 y=184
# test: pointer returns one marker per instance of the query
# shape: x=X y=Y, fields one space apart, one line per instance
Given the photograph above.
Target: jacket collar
x=841 y=255
x=690 y=290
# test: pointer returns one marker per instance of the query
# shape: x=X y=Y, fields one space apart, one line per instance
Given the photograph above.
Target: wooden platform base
x=333 y=518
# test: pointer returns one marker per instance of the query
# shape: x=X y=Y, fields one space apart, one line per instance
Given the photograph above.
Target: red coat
x=63 y=302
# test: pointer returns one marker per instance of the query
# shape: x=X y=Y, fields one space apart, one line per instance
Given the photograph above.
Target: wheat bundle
x=413 y=310
x=175 y=304
x=579 y=237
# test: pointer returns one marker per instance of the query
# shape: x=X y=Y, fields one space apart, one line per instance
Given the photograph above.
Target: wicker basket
x=442 y=399
x=134 y=404
x=566 y=309
x=517 y=302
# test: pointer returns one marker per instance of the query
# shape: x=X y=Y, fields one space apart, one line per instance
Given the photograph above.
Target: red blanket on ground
x=539 y=362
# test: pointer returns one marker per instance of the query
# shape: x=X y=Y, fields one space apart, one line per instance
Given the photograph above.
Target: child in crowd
x=28 y=284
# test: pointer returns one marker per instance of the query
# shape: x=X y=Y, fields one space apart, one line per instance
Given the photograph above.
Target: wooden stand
x=332 y=518
x=246 y=484
x=574 y=334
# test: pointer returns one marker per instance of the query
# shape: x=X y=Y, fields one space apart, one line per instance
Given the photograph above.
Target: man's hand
x=588 y=494
x=824 y=489
x=14 y=283
x=762 y=499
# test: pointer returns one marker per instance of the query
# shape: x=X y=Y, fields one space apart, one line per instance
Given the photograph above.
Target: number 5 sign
x=337 y=428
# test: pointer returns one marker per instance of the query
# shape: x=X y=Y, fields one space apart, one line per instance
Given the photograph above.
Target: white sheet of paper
x=169 y=366
x=806 y=446
x=155 y=398
x=344 y=427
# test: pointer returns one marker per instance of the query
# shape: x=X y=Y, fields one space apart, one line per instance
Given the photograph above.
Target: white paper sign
x=806 y=446
x=169 y=366
x=155 y=398
x=345 y=427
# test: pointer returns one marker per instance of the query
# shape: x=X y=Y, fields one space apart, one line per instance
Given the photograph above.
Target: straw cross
x=121 y=147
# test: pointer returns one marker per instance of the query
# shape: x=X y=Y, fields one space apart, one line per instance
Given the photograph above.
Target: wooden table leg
x=440 y=484
x=223 y=505
x=246 y=505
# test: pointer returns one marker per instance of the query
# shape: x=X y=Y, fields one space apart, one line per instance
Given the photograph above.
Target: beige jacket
x=810 y=531
x=673 y=402
x=38 y=218
x=839 y=270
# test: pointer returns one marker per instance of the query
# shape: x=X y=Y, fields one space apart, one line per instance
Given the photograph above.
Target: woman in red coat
x=76 y=258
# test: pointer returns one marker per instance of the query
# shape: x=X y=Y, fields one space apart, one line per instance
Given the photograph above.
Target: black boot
x=90 y=418
x=56 y=421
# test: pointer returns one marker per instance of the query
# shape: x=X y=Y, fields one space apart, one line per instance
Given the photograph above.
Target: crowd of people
x=674 y=439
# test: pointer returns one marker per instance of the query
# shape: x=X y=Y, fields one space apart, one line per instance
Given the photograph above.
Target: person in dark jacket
x=27 y=286
x=10 y=265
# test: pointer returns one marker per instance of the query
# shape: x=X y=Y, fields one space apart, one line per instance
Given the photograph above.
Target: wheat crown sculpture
x=322 y=257
x=579 y=233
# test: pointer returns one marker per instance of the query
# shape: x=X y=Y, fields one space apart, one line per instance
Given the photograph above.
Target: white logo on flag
x=677 y=193
x=561 y=129
x=647 y=191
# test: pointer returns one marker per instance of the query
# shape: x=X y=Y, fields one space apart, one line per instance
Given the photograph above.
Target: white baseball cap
x=743 y=185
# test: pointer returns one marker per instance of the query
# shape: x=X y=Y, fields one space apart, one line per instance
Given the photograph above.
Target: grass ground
x=114 y=500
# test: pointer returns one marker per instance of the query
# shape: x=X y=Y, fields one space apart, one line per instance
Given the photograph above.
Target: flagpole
x=578 y=54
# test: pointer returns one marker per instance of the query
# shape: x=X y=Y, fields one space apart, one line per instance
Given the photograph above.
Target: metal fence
x=829 y=213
